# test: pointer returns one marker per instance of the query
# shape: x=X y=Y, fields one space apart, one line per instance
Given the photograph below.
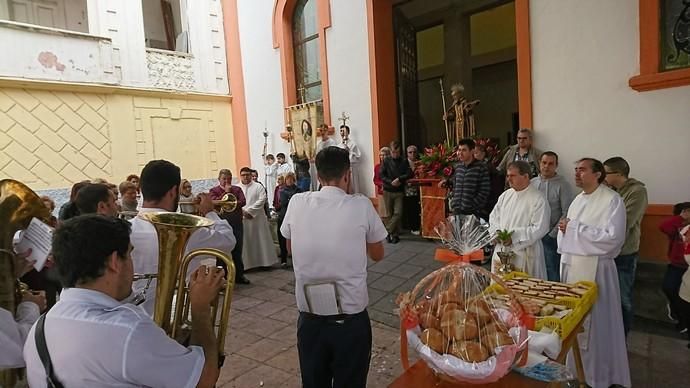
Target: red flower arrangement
x=493 y=153
x=436 y=161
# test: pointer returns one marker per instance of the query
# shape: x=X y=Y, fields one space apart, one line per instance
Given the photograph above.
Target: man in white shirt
x=94 y=339
x=160 y=181
x=523 y=210
x=259 y=249
x=588 y=240
x=324 y=141
x=14 y=329
x=334 y=339
x=283 y=166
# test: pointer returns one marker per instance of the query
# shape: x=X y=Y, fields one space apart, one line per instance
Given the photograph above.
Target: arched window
x=305 y=40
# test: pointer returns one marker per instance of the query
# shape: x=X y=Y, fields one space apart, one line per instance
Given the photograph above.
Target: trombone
x=227 y=204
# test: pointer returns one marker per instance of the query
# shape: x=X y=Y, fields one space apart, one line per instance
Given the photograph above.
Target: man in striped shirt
x=471 y=183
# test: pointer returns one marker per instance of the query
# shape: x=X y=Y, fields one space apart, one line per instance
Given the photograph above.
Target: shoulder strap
x=51 y=380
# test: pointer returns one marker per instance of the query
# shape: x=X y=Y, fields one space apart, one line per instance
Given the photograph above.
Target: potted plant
x=506 y=255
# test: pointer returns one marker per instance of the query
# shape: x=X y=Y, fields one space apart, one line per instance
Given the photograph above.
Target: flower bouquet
x=436 y=162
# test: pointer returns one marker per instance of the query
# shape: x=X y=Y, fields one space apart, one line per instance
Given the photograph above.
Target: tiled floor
x=261 y=342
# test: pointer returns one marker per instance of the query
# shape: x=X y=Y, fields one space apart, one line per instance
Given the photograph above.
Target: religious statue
x=459 y=118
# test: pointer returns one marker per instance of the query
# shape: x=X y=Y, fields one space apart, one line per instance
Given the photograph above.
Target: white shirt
x=284 y=169
x=144 y=241
x=329 y=230
x=96 y=341
x=13 y=333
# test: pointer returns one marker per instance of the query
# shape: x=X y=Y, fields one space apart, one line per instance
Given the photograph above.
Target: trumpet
x=227 y=204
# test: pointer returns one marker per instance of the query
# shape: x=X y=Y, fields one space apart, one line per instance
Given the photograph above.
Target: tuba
x=18 y=205
x=172 y=308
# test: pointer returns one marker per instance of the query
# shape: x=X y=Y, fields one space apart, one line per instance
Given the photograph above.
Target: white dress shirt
x=144 y=241
x=96 y=341
x=13 y=333
x=329 y=230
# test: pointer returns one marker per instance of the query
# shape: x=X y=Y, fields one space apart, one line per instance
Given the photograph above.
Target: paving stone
x=372 y=276
x=287 y=361
x=237 y=339
x=400 y=256
x=387 y=283
x=421 y=260
x=383 y=266
x=235 y=366
x=267 y=309
x=375 y=295
x=385 y=318
x=265 y=327
x=405 y=271
x=386 y=304
x=275 y=296
x=286 y=335
x=263 y=350
x=287 y=315
x=264 y=376
x=240 y=319
x=271 y=282
x=245 y=303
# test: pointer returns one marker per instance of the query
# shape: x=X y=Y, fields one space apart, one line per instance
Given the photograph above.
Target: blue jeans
x=304 y=184
x=552 y=258
x=626 y=265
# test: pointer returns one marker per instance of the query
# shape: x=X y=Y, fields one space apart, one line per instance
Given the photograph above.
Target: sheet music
x=39 y=237
x=322 y=299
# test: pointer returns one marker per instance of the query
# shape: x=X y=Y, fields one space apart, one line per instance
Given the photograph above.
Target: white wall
x=583 y=54
x=349 y=82
x=263 y=86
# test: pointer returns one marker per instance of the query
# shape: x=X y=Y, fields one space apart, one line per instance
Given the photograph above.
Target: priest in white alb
x=355 y=155
x=259 y=249
x=325 y=140
x=523 y=210
x=588 y=240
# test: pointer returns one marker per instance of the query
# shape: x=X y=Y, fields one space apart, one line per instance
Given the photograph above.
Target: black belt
x=337 y=317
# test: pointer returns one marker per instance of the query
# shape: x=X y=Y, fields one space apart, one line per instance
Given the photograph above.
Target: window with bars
x=305 y=40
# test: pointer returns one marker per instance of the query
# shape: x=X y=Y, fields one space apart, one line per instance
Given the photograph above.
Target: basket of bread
x=460 y=331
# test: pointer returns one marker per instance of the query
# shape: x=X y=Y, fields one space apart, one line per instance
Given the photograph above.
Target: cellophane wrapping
x=460 y=331
x=463 y=234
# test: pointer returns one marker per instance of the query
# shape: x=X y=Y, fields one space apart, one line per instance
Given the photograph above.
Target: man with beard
x=160 y=182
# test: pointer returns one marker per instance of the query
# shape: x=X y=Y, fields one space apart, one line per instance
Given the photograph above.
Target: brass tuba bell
x=174 y=231
x=18 y=205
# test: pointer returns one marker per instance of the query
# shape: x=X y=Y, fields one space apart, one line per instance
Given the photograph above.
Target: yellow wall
x=493 y=29
x=51 y=139
x=430 y=47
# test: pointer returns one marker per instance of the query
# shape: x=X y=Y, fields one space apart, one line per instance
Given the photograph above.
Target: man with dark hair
x=333 y=330
x=523 y=210
x=558 y=194
x=233 y=218
x=96 y=198
x=258 y=247
x=160 y=183
x=92 y=337
x=589 y=239
x=283 y=166
x=395 y=171
x=634 y=196
x=471 y=183
x=677 y=265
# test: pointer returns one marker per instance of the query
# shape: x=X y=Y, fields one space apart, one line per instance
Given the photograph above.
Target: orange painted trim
x=282 y=40
x=382 y=73
x=653 y=243
x=650 y=77
x=659 y=210
x=240 y=128
x=524 y=62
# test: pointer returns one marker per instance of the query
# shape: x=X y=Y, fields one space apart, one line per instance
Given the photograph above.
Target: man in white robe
x=259 y=249
x=283 y=167
x=324 y=141
x=523 y=210
x=588 y=240
x=355 y=155
x=270 y=174
x=160 y=181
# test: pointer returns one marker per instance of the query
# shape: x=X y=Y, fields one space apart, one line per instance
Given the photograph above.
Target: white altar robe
x=595 y=240
x=259 y=249
x=283 y=168
x=355 y=155
x=320 y=144
x=526 y=213
x=271 y=175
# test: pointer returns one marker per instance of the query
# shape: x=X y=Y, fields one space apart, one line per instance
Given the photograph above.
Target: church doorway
x=448 y=42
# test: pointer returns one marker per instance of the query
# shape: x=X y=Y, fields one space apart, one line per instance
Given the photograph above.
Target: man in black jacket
x=395 y=171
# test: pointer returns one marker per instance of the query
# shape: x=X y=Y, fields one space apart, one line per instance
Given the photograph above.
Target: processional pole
x=445 y=111
x=265 y=133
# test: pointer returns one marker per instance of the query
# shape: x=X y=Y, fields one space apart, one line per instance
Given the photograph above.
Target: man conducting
x=92 y=338
x=589 y=239
x=333 y=330
x=523 y=210
x=160 y=182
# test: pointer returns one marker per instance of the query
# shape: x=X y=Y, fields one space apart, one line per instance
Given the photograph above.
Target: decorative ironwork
x=681 y=33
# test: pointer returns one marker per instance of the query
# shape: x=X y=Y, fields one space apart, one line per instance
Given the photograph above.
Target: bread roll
x=493 y=339
x=429 y=321
x=470 y=351
x=480 y=308
x=459 y=325
x=434 y=339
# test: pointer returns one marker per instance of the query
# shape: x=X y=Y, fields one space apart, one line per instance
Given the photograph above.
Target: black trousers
x=671 y=285
x=412 y=211
x=334 y=353
x=238 y=232
x=282 y=242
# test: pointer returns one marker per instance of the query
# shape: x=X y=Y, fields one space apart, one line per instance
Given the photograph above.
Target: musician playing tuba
x=92 y=338
x=160 y=181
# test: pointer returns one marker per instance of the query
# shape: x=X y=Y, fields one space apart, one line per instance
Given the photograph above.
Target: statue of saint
x=460 y=116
